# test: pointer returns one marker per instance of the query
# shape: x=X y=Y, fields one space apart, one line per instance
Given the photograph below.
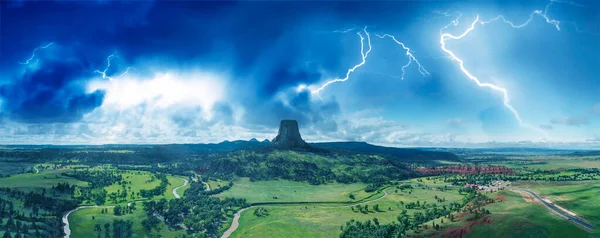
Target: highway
x=551 y=206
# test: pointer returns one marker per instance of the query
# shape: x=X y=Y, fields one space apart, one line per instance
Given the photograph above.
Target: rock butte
x=289 y=136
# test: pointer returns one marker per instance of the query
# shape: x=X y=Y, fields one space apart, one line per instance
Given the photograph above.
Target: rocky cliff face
x=289 y=135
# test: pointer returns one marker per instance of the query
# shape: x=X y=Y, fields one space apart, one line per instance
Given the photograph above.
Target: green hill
x=313 y=166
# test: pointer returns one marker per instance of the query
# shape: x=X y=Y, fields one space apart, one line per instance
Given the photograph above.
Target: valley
x=258 y=191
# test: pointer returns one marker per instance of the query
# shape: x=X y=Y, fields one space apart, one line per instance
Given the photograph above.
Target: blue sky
x=195 y=71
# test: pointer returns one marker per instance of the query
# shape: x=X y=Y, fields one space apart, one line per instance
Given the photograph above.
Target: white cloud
x=163 y=91
x=571 y=121
x=455 y=122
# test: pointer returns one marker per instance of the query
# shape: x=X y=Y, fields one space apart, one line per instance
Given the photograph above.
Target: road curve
x=185 y=182
x=236 y=218
x=560 y=212
x=235 y=223
x=65 y=219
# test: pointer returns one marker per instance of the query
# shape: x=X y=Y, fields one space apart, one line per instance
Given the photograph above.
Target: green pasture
x=325 y=220
x=138 y=180
x=36 y=182
x=292 y=191
x=516 y=218
x=82 y=222
x=217 y=184
x=554 y=162
x=580 y=197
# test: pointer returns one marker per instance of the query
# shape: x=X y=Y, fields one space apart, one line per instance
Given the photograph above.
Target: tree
x=118 y=210
x=107 y=230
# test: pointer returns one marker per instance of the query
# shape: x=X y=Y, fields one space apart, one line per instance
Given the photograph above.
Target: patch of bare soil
x=500 y=197
x=528 y=198
x=462 y=231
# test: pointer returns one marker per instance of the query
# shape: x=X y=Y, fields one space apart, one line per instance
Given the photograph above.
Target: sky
x=401 y=73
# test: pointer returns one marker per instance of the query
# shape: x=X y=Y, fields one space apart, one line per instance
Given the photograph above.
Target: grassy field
x=82 y=222
x=36 y=182
x=553 y=162
x=138 y=180
x=325 y=221
x=512 y=217
x=581 y=197
x=217 y=184
x=291 y=191
x=516 y=218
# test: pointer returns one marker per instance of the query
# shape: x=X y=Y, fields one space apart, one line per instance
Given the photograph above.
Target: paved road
x=552 y=207
x=185 y=182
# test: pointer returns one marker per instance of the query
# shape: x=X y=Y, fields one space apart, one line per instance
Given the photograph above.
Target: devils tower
x=289 y=136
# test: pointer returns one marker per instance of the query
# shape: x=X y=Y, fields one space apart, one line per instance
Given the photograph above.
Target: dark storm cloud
x=308 y=112
x=277 y=54
x=275 y=45
x=53 y=93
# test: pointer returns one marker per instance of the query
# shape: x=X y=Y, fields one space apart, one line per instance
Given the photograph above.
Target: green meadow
x=580 y=197
x=514 y=217
x=36 y=182
x=324 y=220
x=82 y=223
x=292 y=191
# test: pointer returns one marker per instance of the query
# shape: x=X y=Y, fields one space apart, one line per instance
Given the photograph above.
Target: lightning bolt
x=411 y=57
x=103 y=73
x=345 y=31
x=351 y=70
x=454 y=22
x=33 y=54
x=506 y=100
